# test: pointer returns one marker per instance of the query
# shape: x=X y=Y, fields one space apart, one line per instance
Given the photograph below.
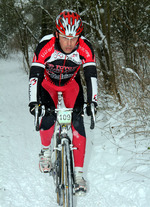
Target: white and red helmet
x=69 y=23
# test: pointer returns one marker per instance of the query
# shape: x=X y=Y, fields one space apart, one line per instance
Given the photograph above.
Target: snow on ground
x=117 y=164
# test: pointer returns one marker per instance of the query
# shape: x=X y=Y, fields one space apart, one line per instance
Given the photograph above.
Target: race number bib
x=64 y=117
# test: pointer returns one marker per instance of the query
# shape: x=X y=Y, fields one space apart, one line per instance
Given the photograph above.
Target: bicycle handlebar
x=36 y=118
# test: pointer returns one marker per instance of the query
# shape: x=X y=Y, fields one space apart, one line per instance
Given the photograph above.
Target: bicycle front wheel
x=66 y=175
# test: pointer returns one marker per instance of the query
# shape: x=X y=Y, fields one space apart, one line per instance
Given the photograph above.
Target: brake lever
x=92 y=116
x=36 y=118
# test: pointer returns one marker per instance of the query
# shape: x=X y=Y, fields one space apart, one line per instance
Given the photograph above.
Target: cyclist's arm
x=89 y=66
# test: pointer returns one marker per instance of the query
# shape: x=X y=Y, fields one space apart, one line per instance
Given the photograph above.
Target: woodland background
x=118 y=30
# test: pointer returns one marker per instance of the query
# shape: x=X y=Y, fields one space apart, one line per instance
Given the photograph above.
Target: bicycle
x=62 y=152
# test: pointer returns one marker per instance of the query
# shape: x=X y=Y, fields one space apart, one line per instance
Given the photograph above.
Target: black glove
x=32 y=109
x=88 y=108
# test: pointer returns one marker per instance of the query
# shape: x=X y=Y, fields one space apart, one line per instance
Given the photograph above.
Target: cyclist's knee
x=78 y=124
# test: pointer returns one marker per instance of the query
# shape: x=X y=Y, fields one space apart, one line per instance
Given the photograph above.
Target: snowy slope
x=117 y=164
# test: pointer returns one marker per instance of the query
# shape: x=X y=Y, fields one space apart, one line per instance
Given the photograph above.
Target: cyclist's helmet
x=69 y=23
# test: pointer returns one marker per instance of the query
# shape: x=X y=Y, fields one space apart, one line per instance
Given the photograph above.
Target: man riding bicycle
x=56 y=67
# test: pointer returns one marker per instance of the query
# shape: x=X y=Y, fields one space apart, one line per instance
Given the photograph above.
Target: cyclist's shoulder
x=84 y=41
x=45 y=47
x=85 y=47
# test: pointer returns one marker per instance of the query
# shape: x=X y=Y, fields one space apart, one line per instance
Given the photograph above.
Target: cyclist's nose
x=69 y=42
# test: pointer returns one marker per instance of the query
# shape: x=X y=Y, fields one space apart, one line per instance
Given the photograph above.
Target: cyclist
x=55 y=67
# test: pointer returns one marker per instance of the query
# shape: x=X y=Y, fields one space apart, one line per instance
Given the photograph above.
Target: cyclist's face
x=67 y=43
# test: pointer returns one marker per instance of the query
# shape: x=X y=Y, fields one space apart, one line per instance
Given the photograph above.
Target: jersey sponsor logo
x=73 y=57
x=47 y=51
x=33 y=89
x=50 y=68
x=61 y=76
x=59 y=55
x=95 y=97
x=33 y=81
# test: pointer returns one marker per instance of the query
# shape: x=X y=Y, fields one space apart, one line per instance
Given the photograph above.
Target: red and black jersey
x=51 y=63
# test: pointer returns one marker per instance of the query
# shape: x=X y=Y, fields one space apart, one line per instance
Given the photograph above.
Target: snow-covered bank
x=117 y=164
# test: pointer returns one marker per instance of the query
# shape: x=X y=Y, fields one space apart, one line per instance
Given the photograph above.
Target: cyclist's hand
x=33 y=107
x=88 y=109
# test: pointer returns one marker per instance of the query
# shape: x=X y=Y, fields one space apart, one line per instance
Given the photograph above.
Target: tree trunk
x=45 y=19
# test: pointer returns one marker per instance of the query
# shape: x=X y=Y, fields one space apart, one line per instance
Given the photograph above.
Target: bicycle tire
x=58 y=181
x=66 y=176
x=58 y=173
x=69 y=175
